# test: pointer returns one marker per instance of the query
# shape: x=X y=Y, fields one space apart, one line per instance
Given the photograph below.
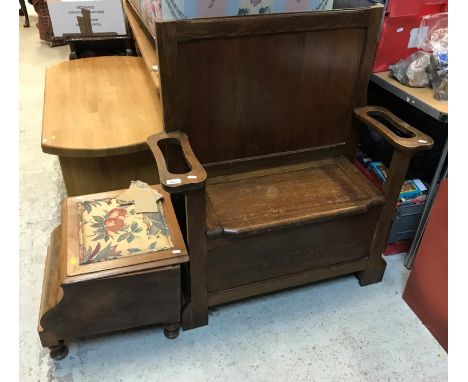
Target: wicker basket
x=44 y=23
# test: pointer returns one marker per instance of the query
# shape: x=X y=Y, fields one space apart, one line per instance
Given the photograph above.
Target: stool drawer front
x=278 y=253
x=116 y=303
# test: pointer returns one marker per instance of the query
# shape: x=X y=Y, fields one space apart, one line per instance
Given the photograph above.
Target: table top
x=421 y=98
x=99 y=106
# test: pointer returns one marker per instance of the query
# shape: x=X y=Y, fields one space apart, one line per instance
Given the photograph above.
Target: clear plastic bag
x=433 y=37
x=433 y=34
x=429 y=65
x=412 y=71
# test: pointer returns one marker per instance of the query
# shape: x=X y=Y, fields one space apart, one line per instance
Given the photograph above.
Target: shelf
x=421 y=98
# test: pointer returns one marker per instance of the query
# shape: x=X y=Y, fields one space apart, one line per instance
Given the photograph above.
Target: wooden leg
x=373 y=273
x=24 y=12
x=72 y=54
x=195 y=313
x=171 y=331
x=376 y=265
x=193 y=316
x=129 y=47
x=59 y=351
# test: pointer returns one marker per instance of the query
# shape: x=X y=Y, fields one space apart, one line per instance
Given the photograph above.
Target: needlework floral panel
x=110 y=231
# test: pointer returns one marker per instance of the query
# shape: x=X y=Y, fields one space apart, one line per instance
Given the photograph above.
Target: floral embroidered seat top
x=109 y=231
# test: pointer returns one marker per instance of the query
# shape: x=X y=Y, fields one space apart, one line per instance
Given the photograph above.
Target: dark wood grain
x=83 y=300
x=241 y=165
x=284 y=282
x=255 y=25
x=375 y=14
x=105 y=305
x=249 y=86
x=195 y=313
x=405 y=147
x=289 y=195
x=268 y=104
x=277 y=253
x=376 y=266
x=417 y=141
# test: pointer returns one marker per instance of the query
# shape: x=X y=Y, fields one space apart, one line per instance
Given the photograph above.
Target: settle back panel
x=257 y=85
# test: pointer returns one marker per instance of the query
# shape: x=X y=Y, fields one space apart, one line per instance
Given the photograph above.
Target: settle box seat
x=287 y=195
x=109 y=268
x=305 y=207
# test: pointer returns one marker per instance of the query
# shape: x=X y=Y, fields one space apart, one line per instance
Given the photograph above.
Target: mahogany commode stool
x=110 y=268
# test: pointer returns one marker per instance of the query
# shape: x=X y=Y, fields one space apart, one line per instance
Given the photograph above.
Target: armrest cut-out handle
x=413 y=142
x=193 y=179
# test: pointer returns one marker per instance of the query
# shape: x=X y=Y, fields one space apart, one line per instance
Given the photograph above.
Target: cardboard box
x=187 y=9
x=86 y=17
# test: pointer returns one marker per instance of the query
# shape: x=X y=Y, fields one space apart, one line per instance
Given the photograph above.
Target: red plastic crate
x=403 y=8
x=402 y=19
x=398 y=247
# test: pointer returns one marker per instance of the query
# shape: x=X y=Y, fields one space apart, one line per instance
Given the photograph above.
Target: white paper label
x=174 y=181
x=417 y=35
x=106 y=16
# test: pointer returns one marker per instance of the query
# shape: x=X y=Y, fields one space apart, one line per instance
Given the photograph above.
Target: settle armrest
x=194 y=179
x=416 y=141
x=404 y=147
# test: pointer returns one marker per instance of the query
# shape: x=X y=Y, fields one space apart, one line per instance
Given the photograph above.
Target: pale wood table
x=98 y=113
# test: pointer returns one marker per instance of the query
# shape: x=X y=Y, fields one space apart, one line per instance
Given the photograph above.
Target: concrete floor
x=331 y=331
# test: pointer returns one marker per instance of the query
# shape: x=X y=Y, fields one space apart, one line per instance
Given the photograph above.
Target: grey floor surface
x=331 y=331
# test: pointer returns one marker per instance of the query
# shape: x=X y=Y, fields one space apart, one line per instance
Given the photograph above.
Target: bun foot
x=58 y=352
x=172 y=331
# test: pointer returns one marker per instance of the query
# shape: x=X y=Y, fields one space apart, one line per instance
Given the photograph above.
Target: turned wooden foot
x=58 y=352
x=171 y=331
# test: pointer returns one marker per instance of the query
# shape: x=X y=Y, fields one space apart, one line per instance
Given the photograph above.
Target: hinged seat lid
x=262 y=200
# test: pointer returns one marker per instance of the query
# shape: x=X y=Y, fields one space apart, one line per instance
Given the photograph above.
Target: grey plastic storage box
x=405 y=222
